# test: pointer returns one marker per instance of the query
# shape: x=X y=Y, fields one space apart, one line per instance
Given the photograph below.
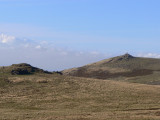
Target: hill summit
x=120 y=66
x=126 y=56
x=122 y=57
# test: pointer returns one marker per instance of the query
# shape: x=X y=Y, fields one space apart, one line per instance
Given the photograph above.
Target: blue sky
x=77 y=32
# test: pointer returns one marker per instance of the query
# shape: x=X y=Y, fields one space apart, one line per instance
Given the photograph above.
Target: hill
x=125 y=67
x=57 y=97
x=21 y=69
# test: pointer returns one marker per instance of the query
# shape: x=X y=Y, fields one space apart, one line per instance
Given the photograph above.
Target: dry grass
x=55 y=97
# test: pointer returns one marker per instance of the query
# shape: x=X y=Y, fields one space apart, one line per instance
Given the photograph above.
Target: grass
x=55 y=97
x=151 y=79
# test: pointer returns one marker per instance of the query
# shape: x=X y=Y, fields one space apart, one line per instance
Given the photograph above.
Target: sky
x=61 y=34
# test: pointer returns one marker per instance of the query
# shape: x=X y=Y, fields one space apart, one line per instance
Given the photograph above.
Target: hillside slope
x=57 y=97
x=126 y=66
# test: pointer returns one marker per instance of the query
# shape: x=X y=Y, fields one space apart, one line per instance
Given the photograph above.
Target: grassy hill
x=30 y=93
x=56 y=97
x=21 y=69
x=124 y=68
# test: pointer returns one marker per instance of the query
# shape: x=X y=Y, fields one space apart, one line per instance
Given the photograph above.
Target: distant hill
x=126 y=66
x=21 y=69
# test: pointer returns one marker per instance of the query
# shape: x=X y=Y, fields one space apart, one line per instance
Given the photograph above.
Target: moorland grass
x=56 y=97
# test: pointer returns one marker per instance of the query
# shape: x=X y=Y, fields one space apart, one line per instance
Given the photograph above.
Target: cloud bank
x=42 y=54
x=6 y=39
x=48 y=56
x=149 y=55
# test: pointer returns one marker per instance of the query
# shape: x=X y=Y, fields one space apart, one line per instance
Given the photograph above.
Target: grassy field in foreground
x=55 y=97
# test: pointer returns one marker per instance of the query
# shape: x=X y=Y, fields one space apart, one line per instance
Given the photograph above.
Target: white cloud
x=43 y=54
x=6 y=38
x=50 y=59
x=15 y=42
x=149 y=55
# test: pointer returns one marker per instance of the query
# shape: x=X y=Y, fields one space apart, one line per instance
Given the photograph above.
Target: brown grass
x=55 y=97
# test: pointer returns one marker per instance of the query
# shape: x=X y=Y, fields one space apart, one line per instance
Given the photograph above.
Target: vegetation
x=22 y=69
x=57 y=97
x=30 y=93
x=125 y=68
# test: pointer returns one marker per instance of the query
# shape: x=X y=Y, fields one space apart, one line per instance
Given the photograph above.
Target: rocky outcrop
x=24 y=68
